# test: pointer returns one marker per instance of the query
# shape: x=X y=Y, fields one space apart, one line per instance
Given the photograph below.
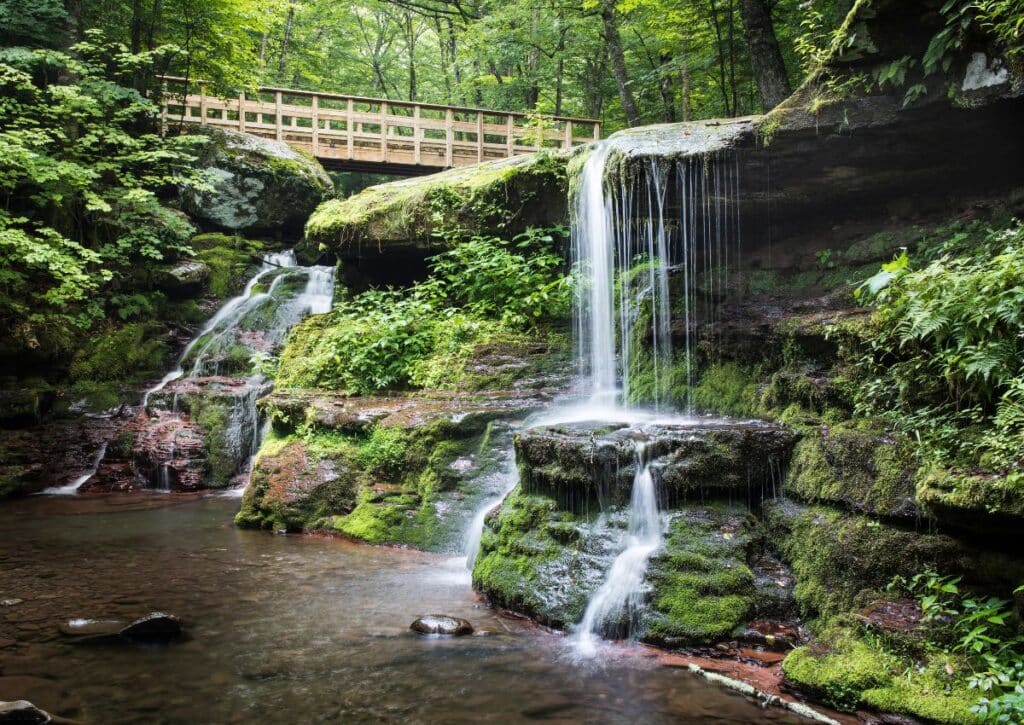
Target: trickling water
x=509 y=477
x=279 y=295
x=653 y=252
x=620 y=598
x=72 y=488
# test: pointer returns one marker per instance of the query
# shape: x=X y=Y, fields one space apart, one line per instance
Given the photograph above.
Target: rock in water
x=92 y=628
x=22 y=712
x=154 y=627
x=441 y=624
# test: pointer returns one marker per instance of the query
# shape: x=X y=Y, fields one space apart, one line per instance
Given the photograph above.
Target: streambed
x=291 y=629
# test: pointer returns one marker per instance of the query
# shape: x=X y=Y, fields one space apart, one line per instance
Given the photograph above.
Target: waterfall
x=618 y=601
x=652 y=252
x=252 y=324
x=72 y=488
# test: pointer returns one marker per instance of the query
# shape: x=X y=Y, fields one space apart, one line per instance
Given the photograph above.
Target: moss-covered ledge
x=496 y=197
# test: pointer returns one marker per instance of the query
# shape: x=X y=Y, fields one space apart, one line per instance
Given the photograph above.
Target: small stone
x=154 y=627
x=90 y=628
x=22 y=712
x=441 y=624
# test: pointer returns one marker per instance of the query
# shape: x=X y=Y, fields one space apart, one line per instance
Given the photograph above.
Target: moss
x=526 y=558
x=857 y=469
x=703 y=588
x=979 y=501
x=127 y=353
x=221 y=457
x=856 y=670
x=484 y=198
x=843 y=561
x=840 y=675
x=230 y=259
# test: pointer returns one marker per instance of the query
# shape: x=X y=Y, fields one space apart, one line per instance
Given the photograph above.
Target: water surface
x=291 y=629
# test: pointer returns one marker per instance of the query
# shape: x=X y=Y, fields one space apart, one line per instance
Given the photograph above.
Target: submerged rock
x=441 y=624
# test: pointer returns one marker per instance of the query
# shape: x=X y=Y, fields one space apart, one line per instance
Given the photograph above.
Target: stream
x=291 y=629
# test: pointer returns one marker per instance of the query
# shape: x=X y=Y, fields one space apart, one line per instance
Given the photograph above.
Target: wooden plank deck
x=373 y=134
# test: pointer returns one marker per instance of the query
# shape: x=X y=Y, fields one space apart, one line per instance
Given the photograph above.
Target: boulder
x=23 y=712
x=441 y=624
x=259 y=186
x=384 y=232
x=184 y=278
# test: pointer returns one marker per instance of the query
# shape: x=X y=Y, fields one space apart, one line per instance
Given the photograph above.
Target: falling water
x=253 y=323
x=621 y=596
x=72 y=488
x=666 y=232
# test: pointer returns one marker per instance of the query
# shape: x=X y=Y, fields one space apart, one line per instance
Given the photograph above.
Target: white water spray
x=621 y=596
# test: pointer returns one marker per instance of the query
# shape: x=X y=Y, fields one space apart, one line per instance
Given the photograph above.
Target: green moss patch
x=703 y=588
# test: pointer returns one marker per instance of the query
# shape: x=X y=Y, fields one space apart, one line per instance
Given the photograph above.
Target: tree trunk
x=136 y=41
x=613 y=44
x=668 y=91
x=154 y=24
x=684 y=78
x=287 y=36
x=765 y=56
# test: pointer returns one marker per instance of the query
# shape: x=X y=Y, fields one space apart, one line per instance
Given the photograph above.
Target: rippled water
x=290 y=629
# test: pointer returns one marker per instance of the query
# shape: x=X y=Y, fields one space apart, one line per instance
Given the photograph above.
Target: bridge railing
x=341 y=128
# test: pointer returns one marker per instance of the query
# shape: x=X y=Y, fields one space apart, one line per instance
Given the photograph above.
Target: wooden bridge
x=352 y=133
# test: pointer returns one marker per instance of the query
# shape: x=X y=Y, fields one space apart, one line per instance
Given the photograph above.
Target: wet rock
x=22 y=712
x=259 y=186
x=441 y=624
x=154 y=627
x=772 y=634
x=583 y=465
x=10 y=602
x=87 y=629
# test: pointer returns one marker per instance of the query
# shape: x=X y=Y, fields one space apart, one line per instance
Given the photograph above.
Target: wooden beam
x=277 y=116
x=351 y=129
x=479 y=136
x=384 y=131
x=417 y=136
x=449 y=137
x=315 y=112
x=241 y=112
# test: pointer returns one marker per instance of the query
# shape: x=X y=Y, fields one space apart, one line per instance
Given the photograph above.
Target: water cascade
x=72 y=488
x=655 y=249
x=221 y=363
x=614 y=608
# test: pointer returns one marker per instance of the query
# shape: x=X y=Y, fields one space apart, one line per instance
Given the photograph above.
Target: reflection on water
x=289 y=629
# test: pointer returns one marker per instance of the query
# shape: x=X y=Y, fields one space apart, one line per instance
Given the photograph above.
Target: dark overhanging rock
x=588 y=465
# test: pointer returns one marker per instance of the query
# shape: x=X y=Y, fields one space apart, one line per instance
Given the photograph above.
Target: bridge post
x=202 y=104
x=568 y=134
x=351 y=127
x=163 y=107
x=277 y=116
x=417 y=136
x=510 y=135
x=241 y=111
x=597 y=131
x=384 y=131
x=449 y=138
x=315 y=110
x=479 y=136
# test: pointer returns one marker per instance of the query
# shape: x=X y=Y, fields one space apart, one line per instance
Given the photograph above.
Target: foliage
x=945 y=354
x=985 y=631
x=80 y=186
x=387 y=339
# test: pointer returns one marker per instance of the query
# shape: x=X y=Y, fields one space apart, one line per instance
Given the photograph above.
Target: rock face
x=441 y=624
x=23 y=712
x=260 y=187
x=384 y=233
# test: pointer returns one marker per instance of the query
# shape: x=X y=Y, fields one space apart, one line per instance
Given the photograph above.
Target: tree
x=765 y=55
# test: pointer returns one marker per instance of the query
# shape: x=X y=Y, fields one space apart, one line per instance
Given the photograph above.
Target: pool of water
x=291 y=629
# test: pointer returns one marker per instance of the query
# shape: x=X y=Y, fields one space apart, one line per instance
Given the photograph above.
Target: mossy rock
x=843 y=561
x=856 y=469
x=850 y=670
x=536 y=559
x=230 y=260
x=990 y=504
x=496 y=197
x=291 y=485
x=259 y=186
x=703 y=589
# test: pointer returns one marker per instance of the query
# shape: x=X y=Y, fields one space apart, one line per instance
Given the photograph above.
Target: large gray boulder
x=258 y=186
